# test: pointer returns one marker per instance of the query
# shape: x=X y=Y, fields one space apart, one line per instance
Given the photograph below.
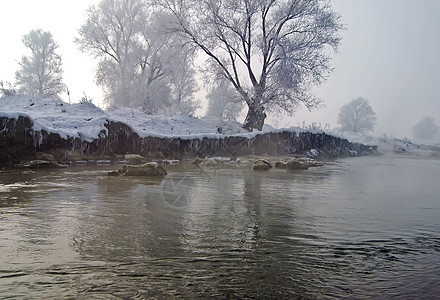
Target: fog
x=62 y=19
x=388 y=55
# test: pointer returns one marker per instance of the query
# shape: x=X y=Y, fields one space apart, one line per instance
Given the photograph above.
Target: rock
x=134 y=159
x=296 y=165
x=247 y=159
x=40 y=164
x=73 y=157
x=206 y=162
x=314 y=163
x=261 y=165
x=45 y=156
x=280 y=165
x=114 y=173
x=303 y=163
x=147 y=169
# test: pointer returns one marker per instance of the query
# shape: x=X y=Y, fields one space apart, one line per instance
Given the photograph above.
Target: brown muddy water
x=358 y=228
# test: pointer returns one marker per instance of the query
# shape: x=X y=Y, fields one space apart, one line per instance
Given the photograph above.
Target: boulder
x=296 y=165
x=147 y=169
x=261 y=165
x=113 y=173
x=303 y=163
x=44 y=156
x=280 y=165
x=313 y=162
x=134 y=159
x=247 y=159
x=206 y=162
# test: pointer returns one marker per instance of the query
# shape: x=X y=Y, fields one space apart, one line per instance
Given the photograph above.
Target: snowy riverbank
x=86 y=121
x=29 y=126
x=388 y=144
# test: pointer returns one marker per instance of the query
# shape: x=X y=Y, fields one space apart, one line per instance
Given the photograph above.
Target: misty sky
x=389 y=55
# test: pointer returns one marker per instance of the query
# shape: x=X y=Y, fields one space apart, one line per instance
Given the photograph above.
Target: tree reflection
x=242 y=232
x=125 y=221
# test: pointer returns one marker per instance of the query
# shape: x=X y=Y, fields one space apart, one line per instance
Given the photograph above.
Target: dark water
x=361 y=228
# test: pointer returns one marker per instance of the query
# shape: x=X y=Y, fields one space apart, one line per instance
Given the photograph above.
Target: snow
x=86 y=121
x=392 y=144
x=82 y=120
x=360 y=138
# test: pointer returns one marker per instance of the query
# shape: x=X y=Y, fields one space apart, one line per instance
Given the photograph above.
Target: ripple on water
x=337 y=232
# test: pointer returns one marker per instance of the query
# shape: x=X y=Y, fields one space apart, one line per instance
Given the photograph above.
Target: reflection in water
x=333 y=232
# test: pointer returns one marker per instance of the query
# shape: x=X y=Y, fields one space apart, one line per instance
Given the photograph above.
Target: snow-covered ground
x=392 y=144
x=86 y=121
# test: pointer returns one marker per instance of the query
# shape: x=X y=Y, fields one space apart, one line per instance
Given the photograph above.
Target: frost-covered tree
x=128 y=65
x=183 y=85
x=179 y=66
x=40 y=72
x=271 y=51
x=357 y=116
x=224 y=102
x=425 y=129
x=138 y=65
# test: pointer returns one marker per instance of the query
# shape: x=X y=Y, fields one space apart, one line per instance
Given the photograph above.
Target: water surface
x=358 y=228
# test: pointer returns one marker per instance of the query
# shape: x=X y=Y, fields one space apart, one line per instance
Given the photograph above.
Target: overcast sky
x=389 y=55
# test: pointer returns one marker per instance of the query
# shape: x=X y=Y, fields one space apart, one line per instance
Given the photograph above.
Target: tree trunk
x=255 y=118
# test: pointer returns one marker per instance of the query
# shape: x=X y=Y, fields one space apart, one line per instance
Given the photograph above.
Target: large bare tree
x=271 y=51
x=40 y=72
x=138 y=65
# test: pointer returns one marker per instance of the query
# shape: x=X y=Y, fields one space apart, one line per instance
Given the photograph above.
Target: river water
x=357 y=228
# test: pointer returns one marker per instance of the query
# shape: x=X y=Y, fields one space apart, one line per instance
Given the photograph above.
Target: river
x=356 y=228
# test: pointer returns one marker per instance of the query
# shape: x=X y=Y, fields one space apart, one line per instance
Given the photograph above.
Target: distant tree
x=425 y=129
x=224 y=102
x=40 y=73
x=138 y=65
x=271 y=52
x=113 y=32
x=357 y=116
x=180 y=73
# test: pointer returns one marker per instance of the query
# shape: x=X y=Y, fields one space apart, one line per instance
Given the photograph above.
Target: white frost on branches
x=357 y=116
x=140 y=65
x=40 y=72
x=271 y=52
